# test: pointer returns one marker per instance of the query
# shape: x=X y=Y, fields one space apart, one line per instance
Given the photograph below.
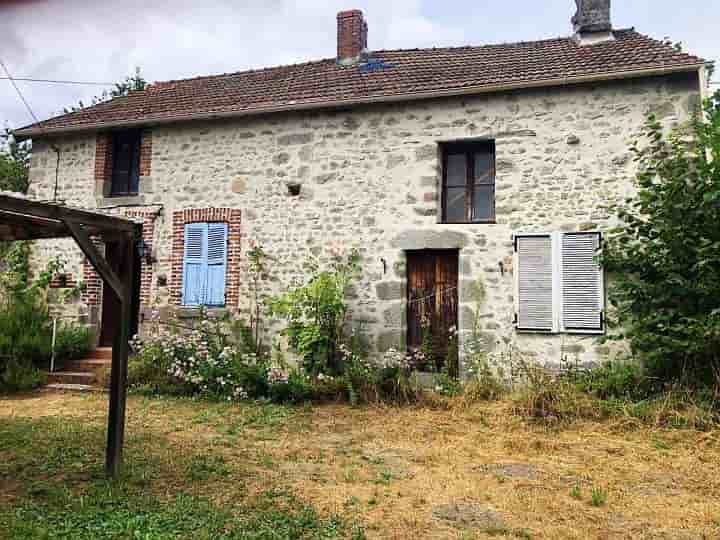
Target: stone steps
x=84 y=374
x=63 y=387
x=71 y=377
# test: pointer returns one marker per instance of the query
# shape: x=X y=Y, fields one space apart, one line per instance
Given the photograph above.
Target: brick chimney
x=351 y=37
x=592 y=21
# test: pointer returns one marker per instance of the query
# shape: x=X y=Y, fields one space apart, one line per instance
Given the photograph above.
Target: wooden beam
x=63 y=213
x=98 y=261
x=118 y=374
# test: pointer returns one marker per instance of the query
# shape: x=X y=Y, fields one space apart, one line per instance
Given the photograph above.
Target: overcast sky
x=102 y=40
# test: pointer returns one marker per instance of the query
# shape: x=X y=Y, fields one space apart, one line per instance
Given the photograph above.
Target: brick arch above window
x=232 y=217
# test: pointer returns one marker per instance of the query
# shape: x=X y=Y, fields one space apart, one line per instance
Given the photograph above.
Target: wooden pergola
x=25 y=219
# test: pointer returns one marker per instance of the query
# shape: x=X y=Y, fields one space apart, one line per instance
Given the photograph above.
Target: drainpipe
x=57 y=170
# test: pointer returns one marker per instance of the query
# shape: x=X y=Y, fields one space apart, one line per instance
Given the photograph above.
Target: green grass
x=56 y=487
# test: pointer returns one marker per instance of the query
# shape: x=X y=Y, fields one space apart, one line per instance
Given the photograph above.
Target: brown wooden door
x=111 y=312
x=432 y=305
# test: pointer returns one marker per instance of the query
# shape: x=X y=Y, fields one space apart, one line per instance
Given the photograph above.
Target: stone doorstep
x=71 y=377
x=63 y=387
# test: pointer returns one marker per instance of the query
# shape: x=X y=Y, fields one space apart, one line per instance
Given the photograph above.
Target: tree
x=667 y=253
x=14 y=162
x=131 y=83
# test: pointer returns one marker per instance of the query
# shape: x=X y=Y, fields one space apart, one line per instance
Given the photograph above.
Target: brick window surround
x=104 y=160
x=92 y=293
x=232 y=217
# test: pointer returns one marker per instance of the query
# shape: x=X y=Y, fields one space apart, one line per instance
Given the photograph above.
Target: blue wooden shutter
x=216 y=264
x=195 y=264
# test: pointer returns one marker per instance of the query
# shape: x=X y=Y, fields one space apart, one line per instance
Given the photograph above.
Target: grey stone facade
x=370 y=179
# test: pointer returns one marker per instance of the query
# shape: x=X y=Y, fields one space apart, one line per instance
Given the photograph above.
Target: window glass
x=484 y=167
x=483 y=203
x=455 y=205
x=456 y=170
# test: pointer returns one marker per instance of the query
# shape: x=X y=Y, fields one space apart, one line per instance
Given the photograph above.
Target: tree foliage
x=131 y=83
x=667 y=253
x=14 y=164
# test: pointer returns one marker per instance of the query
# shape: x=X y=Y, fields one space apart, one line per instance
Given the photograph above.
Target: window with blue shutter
x=204 y=263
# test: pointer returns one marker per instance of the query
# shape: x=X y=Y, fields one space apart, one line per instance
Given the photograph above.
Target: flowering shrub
x=386 y=379
x=199 y=361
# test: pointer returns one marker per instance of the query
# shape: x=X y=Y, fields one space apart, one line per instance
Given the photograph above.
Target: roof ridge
x=370 y=53
x=407 y=74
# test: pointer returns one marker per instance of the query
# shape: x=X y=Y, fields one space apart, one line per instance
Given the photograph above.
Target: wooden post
x=118 y=374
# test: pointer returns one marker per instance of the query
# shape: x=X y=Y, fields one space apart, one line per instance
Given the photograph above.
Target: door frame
x=453 y=253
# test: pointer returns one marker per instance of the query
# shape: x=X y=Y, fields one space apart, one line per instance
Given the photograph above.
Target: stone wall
x=370 y=179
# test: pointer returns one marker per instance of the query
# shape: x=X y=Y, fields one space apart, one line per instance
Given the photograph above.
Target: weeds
x=598 y=496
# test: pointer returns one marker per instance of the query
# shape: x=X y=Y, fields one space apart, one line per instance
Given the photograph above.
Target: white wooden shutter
x=582 y=282
x=534 y=255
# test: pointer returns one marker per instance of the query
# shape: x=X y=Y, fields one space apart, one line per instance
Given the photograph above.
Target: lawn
x=213 y=470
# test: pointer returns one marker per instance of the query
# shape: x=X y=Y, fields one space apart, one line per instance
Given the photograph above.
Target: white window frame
x=557 y=284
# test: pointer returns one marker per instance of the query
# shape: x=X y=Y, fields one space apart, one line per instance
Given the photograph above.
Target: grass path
x=215 y=470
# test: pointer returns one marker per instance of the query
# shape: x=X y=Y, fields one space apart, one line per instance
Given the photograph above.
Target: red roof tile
x=400 y=75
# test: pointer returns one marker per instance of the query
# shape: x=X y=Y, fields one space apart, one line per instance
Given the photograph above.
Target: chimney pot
x=351 y=37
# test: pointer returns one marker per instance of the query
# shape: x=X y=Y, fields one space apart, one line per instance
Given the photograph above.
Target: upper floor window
x=126 y=163
x=468 y=182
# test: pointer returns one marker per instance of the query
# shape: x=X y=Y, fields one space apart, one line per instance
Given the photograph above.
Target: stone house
x=446 y=167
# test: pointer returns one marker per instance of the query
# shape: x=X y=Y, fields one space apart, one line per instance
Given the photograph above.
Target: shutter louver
x=581 y=282
x=216 y=260
x=195 y=264
x=535 y=282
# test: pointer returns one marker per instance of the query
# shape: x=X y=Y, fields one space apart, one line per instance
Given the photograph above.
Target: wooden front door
x=432 y=306
x=111 y=308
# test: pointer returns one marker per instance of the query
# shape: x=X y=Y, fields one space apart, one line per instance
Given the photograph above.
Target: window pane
x=484 y=167
x=455 y=205
x=483 y=203
x=456 y=173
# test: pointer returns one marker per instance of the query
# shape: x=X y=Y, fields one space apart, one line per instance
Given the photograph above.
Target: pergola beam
x=64 y=213
x=98 y=262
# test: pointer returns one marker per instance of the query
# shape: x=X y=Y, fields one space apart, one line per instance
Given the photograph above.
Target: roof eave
x=37 y=132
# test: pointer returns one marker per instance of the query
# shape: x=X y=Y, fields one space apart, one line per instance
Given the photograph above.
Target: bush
x=667 y=254
x=25 y=322
x=204 y=360
x=315 y=313
x=616 y=380
x=72 y=341
x=18 y=376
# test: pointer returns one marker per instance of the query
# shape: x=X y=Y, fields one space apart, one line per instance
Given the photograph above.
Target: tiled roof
x=397 y=75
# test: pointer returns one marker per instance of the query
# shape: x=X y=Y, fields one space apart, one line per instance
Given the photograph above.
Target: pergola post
x=118 y=374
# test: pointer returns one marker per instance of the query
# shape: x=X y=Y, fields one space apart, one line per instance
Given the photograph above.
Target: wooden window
x=468 y=191
x=204 y=264
x=559 y=285
x=126 y=163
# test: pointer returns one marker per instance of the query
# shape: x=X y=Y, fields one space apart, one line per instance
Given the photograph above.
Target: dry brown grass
x=391 y=468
